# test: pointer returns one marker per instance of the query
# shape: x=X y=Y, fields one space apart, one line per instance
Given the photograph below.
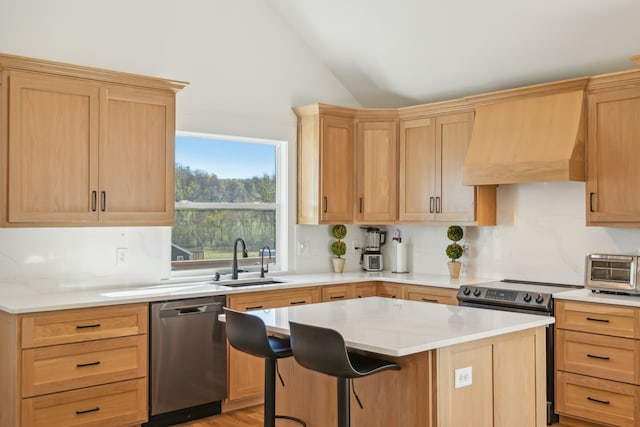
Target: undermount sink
x=252 y=282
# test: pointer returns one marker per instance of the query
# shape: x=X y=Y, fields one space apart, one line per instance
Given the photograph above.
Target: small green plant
x=338 y=247
x=454 y=250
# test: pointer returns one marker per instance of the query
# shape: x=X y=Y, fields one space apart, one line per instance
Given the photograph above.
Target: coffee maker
x=371 y=259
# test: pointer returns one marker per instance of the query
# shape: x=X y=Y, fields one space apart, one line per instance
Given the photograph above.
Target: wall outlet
x=463 y=377
x=303 y=248
x=121 y=256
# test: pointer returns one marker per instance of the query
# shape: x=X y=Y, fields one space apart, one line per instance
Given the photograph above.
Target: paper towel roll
x=399 y=258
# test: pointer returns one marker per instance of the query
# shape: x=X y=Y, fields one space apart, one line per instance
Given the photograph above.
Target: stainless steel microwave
x=613 y=273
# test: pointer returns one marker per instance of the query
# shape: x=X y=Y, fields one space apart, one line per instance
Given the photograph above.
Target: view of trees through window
x=224 y=190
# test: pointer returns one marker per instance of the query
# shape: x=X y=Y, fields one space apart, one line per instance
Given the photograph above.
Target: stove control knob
x=476 y=292
x=539 y=299
x=527 y=298
x=466 y=291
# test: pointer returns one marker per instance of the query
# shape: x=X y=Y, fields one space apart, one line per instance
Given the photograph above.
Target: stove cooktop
x=513 y=293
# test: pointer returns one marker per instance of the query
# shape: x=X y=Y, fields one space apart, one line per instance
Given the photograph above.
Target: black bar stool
x=323 y=350
x=248 y=334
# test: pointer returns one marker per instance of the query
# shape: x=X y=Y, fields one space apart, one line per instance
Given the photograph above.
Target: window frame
x=200 y=267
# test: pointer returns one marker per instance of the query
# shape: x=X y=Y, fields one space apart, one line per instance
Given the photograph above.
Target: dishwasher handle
x=187 y=310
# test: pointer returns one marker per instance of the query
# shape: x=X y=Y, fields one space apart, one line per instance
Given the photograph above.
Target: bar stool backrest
x=248 y=334
x=321 y=349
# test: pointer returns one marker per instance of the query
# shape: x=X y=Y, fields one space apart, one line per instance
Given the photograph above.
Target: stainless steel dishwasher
x=188 y=360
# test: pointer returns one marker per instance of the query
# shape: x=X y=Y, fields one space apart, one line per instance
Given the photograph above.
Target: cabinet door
x=612 y=153
x=336 y=169
x=376 y=172
x=454 y=201
x=137 y=156
x=53 y=147
x=417 y=170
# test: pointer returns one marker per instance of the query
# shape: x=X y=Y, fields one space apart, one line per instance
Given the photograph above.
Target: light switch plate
x=463 y=377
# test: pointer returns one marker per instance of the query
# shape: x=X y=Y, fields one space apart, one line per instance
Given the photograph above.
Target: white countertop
x=27 y=298
x=585 y=295
x=396 y=327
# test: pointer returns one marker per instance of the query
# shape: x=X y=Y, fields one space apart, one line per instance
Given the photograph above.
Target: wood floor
x=250 y=417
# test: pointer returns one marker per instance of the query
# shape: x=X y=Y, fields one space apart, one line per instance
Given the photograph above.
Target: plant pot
x=454 y=269
x=338 y=265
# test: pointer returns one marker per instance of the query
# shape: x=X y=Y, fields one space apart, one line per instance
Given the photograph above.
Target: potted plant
x=454 y=250
x=338 y=247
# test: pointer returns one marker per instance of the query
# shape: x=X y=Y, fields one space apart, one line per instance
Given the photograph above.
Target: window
x=228 y=187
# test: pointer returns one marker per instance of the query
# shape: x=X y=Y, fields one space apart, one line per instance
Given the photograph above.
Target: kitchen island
x=497 y=357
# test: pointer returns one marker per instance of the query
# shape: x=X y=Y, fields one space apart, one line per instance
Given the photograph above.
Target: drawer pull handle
x=429 y=299
x=255 y=307
x=96 y=409
x=593 y=399
x=593 y=319
x=82 y=365
x=336 y=297
x=593 y=356
x=95 y=325
x=297 y=302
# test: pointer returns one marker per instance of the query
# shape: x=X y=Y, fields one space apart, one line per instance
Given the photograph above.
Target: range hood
x=535 y=134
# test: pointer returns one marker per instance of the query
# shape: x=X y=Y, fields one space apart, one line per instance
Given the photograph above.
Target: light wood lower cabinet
x=119 y=404
x=246 y=372
x=597 y=364
x=81 y=367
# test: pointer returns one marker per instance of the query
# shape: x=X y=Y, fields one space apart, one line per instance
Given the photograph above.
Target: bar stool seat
x=248 y=333
x=323 y=350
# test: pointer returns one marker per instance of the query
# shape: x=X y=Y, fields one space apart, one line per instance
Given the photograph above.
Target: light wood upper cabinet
x=376 y=172
x=53 y=149
x=137 y=156
x=336 y=170
x=325 y=164
x=612 y=153
x=86 y=146
x=417 y=169
x=432 y=151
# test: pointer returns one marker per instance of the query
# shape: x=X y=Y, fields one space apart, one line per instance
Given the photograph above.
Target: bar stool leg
x=344 y=416
x=269 y=392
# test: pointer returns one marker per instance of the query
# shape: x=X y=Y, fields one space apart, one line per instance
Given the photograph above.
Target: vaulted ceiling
x=404 y=52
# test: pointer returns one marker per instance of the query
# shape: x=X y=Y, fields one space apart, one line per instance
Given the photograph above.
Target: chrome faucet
x=234 y=266
x=262 y=269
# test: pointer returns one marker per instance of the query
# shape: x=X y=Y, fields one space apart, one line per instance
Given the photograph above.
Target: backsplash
x=84 y=257
x=541 y=235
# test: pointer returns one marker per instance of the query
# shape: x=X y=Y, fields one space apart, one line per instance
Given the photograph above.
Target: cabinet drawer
x=335 y=293
x=599 y=356
x=122 y=403
x=71 y=366
x=431 y=294
x=608 y=402
x=598 y=318
x=366 y=289
x=86 y=324
x=273 y=299
x=389 y=290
